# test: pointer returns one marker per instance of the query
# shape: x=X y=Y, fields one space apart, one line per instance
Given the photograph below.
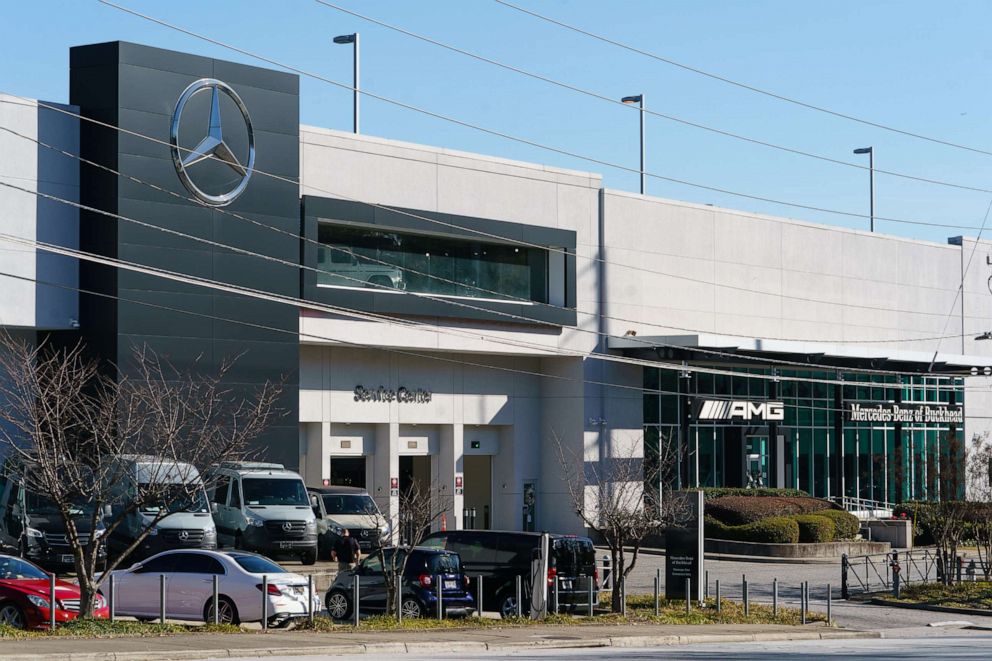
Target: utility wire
x=735 y=83
x=648 y=344
x=521 y=242
x=648 y=111
x=521 y=140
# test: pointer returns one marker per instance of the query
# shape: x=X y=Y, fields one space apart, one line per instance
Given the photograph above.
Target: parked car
x=189 y=579
x=189 y=524
x=423 y=569
x=25 y=596
x=500 y=556
x=264 y=508
x=341 y=266
x=32 y=526
x=351 y=508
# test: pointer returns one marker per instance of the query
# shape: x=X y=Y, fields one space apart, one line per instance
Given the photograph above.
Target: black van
x=500 y=556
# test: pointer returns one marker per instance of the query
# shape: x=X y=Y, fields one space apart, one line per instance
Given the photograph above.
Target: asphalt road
x=957 y=644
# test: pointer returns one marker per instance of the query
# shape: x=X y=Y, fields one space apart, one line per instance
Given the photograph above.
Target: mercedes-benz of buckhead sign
x=714 y=409
x=212 y=145
x=383 y=394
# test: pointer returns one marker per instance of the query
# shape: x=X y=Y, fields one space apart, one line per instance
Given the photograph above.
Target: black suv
x=424 y=569
x=500 y=556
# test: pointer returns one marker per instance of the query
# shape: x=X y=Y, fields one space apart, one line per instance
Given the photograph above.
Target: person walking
x=346 y=551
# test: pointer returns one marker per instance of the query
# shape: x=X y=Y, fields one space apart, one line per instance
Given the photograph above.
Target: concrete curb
x=975 y=612
x=450 y=647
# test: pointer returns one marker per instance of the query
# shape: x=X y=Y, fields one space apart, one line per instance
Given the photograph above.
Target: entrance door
x=756 y=461
x=478 y=491
x=415 y=481
x=348 y=471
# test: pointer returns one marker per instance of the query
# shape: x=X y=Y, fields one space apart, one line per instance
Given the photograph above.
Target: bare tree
x=624 y=498
x=979 y=477
x=70 y=421
x=419 y=509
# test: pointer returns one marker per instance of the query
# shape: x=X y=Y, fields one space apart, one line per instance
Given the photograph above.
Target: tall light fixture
x=871 y=179
x=352 y=39
x=639 y=99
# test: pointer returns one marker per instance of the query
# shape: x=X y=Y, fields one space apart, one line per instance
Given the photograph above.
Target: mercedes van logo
x=183 y=535
x=212 y=145
x=287 y=526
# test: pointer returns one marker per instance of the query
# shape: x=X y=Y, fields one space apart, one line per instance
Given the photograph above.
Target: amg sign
x=743 y=410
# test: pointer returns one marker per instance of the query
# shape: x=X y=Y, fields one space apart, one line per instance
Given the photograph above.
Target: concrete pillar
x=386 y=465
x=449 y=465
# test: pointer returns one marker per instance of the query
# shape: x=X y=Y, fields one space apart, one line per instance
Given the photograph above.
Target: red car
x=24 y=593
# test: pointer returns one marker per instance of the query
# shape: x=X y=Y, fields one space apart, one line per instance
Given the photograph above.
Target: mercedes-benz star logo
x=287 y=526
x=183 y=535
x=213 y=145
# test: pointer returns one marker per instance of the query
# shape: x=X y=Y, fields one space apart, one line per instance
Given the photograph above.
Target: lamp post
x=352 y=39
x=639 y=99
x=871 y=179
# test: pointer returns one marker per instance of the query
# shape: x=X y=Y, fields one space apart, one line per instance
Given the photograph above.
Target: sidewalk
x=207 y=646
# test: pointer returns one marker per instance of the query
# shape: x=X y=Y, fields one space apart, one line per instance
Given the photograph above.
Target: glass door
x=756 y=462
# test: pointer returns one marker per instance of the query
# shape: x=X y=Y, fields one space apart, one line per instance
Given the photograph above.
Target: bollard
x=216 y=599
x=706 y=586
x=556 y=595
x=590 y=587
x=310 y=608
x=844 y=590
x=440 y=598
x=606 y=573
x=520 y=596
x=478 y=591
x=867 y=576
x=688 y=596
x=719 y=606
x=51 y=601
x=802 y=602
x=399 y=598
x=657 y=605
x=960 y=563
x=113 y=598
x=355 y=597
x=830 y=598
x=747 y=603
x=265 y=602
x=774 y=597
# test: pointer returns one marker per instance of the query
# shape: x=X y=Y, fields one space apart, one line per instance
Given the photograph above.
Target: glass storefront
x=907 y=446
x=428 y=264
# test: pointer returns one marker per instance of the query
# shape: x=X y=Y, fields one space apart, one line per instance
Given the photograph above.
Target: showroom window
x=365 y=257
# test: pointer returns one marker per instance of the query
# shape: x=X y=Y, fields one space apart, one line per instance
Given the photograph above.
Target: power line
x=445 y=359
x=735 y=83
x=538 y=246
x=648 y=111
x=524 y=141
x=648 y=344
x=326 y=308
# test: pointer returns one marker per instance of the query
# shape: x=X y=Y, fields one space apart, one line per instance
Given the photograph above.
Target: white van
x=189 y=524
x=264 y=508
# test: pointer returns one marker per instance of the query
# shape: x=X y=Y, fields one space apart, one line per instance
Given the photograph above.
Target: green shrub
x=739 y=510
x=719 y=492
x=846 y=524
x=815 y=529
x=771 y=530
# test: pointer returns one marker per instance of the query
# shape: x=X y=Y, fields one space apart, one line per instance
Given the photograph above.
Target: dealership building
x=453 y=319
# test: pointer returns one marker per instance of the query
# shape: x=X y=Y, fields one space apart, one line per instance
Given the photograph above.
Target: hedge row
x=773 y=530
x=971 y=512
x=710 y=493
x=823 y=526
x=739 y=510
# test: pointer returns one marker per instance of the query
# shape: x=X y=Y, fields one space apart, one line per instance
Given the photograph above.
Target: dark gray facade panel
x=369 y=300
x=137 y=88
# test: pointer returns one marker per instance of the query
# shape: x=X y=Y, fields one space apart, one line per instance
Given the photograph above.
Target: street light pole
x=639 y=99
x=871 y=180
x=353 y=39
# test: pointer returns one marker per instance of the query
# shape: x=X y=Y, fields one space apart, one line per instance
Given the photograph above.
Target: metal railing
x=865 y=508
x=877 y=571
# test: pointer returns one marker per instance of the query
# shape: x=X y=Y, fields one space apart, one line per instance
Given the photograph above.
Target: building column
x=385 y=467
x=450 y=468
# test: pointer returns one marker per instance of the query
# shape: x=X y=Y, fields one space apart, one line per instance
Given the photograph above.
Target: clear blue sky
x=921 y=66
